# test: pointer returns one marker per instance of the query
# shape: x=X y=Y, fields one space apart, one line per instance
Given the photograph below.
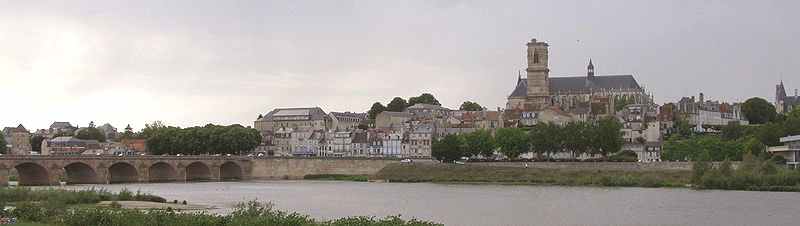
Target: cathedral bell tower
x=538 y=77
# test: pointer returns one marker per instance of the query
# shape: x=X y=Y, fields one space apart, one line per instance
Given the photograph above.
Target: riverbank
x=337 y=177
x=57 y=207
x=452 y=173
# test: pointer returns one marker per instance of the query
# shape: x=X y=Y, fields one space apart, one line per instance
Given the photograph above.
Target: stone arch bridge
x=50 y=170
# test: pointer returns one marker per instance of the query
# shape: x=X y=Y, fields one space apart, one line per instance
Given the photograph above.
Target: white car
x=406 y=161
x=179 y=155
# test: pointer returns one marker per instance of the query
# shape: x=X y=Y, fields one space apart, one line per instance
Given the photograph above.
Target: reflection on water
x=494 y=204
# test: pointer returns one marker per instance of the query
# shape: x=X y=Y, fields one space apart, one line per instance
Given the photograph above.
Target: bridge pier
x=56 y=175
x=102 y=175
x=215 y=172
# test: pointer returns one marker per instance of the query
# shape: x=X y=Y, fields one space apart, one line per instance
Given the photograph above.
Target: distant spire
x=590 y=70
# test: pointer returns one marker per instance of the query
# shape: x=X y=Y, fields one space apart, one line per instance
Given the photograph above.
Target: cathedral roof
x=522 y=88
x=580 y=84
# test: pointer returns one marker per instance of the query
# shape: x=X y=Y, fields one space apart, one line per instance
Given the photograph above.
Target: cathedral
x=587 y=95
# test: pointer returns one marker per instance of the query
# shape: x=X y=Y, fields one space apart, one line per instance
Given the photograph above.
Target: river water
x=493 y=204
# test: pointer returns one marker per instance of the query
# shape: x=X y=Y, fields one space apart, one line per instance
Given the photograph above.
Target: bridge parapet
x=51 y=170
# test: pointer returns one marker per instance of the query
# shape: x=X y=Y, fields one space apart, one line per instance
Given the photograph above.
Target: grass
x=451 y=173
x=30 y=224
x=340 y=177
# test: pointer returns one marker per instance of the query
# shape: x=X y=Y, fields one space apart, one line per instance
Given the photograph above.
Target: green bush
x=624 y=156
x=752 y=174
x=124 y=195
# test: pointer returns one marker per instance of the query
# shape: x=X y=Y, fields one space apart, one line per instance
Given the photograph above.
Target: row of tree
x=735 y=140
x=209 y=139
x=399 y=104
x=602 y=137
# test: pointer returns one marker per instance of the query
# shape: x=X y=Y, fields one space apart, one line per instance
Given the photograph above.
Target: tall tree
x=91 y=133
x=512 y=141
x=397 y=105
x=151 y=128
x=732 y=131
x=36 y=143
x=448 y=148
x=758 y=111
x=479 y=142
x=376 y=109
x=608 y=137
x=470 y=106
x=546 y=138
x=425 y=98
x=577 y=137
x=3 y=148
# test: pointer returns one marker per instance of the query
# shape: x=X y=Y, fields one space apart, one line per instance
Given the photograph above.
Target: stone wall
x=297 y=168
x=624 y=166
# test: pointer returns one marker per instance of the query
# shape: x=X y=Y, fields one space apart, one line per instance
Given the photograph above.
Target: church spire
x=590 y=69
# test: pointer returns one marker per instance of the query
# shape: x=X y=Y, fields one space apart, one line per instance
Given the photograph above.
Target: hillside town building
x=708 y=116
x=580 y=97
x=783 y=103
x=18 y=140
x=68 y=146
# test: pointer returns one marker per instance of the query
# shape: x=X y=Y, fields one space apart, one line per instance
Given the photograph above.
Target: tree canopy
x=91 y=133
x=397 y=104
x=425 y=98
x=758 y=111
x=3 y=148
x=376 y=109
x=448 y=148
x=608 y=136
x=512 y=141
x=36 y=143
x=480 y=142
x=470 y=106
x=209 y=139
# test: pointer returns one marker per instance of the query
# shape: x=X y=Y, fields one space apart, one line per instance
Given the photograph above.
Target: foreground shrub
x=753 y=174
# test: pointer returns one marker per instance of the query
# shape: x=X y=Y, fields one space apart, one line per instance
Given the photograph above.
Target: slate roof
x=580 y=84
x=397 y=114
x=361 y=116
x=60 y=125
x=522 y=88
x=426 y=106
x=315 y=113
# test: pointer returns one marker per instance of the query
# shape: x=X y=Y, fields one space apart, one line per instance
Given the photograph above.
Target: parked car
x=459 y=162
x=406 y=161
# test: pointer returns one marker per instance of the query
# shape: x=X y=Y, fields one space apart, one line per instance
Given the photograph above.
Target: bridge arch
x=198 y=171
x=230 y=171
x=122 y=172
x=32 y=174
x=80 y=173
x=162 y=172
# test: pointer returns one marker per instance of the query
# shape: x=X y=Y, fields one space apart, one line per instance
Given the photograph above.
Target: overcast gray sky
x=196 y=62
